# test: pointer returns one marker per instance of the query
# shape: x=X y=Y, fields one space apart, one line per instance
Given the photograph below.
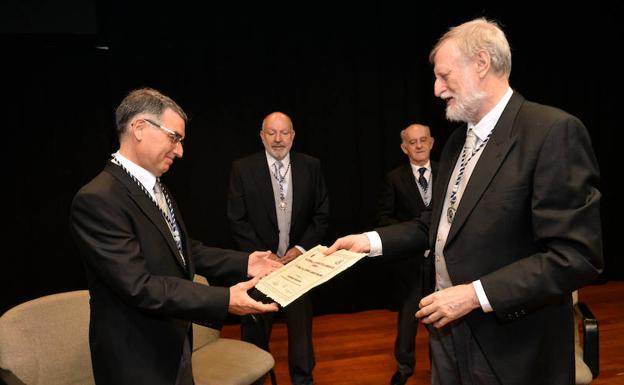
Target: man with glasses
x=278 y=201
x=140 y=261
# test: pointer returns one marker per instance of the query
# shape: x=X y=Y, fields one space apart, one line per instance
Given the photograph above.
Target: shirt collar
x=416 y=167
x=147 y=179
x=271 y=159
x=483 y=128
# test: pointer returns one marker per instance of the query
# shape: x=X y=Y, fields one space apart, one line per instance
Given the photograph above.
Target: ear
x=137 y=129
x=432 y=141
x=483 y=62
x=404 y=148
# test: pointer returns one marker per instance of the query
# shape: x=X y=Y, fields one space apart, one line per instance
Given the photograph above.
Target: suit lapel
x=442 y=179
x=262 y=178
x=183 y=234
x=408 y=180
x=148 y=208
x=488 y=164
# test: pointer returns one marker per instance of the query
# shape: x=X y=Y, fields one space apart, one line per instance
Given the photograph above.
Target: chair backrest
x=202 y=335
x=45 y=341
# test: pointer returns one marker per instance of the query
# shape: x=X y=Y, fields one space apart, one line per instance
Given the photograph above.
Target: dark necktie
x=422 y=181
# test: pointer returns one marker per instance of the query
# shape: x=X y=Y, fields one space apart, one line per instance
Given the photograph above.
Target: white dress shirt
x=146 y=178
x=482 y=129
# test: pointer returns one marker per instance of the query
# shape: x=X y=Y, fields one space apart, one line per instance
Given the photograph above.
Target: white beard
x=466 y=109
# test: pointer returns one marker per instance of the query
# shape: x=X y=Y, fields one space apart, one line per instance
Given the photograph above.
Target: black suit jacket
x=142 y=297
x=400 y=199
x=251 y=203
x=528 y=227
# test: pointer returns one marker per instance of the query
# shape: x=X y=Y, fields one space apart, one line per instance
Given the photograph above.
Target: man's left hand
x=260 y=264
x=447 y=305
x=290 y=255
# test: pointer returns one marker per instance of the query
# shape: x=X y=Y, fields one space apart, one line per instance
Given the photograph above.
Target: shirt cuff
x=375 y=243
x=483 y=299
x=300 y=249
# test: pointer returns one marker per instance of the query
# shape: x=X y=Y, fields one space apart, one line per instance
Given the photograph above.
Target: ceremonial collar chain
x=171 y=221
x=279 y=177
x=450 y=212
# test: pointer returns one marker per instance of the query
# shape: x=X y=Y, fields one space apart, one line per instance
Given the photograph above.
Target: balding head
x=277 y=134
x=416 y=143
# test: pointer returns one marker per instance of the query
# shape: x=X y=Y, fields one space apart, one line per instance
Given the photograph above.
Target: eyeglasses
x=174 y=136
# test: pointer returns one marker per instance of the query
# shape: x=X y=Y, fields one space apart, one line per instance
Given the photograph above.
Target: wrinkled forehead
x=447 y=56
x=417 y=131
x=277 y=123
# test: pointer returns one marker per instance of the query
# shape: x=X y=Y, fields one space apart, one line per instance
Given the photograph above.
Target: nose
x=278 y=136
x=438 y=87
x=178 y=150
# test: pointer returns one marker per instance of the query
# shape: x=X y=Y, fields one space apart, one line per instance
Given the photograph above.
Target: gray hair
x=480 y=35
x=144 y=100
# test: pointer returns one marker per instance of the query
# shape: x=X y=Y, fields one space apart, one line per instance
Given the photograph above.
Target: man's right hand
x=358 y=243
x=241 y=303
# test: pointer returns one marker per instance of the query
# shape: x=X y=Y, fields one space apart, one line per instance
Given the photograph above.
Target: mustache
x=446 y=95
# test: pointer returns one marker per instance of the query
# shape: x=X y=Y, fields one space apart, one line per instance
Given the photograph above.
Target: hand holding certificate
x=309 y=270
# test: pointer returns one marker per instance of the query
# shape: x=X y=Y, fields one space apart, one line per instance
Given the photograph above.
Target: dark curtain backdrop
x=351 y=77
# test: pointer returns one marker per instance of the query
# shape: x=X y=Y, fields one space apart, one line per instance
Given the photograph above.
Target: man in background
x=278 y=201
x=405 y=194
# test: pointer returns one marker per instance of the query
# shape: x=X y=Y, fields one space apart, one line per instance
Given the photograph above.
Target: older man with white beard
x=514 y=228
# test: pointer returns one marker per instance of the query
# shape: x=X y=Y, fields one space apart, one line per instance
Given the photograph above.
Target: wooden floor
x=357 y=348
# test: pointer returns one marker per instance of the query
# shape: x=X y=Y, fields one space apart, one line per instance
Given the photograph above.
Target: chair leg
x=590 y=339
x=263 y=330
x=272 y=375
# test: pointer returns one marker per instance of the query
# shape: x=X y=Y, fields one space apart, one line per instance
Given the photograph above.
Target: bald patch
x=404 y=131
x=277 y=116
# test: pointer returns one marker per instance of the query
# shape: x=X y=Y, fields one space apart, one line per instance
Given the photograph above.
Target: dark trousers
x=407 y=278
x=185 y=373
x=257 y=330
x=456 y=358
x=407 y=325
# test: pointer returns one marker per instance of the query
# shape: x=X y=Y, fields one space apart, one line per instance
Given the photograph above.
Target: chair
x=45 y=341
x=226 y=361
x=586 y=351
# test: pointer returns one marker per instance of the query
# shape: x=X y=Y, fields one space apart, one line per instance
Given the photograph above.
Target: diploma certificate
x=308 y=270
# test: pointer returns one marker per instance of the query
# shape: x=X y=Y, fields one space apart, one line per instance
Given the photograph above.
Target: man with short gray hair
x=140 y=260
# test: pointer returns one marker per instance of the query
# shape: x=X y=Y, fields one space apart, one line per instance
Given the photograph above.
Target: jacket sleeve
x=407 y=237
x=565 y=221
x=221 y=267
x=242 y=231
